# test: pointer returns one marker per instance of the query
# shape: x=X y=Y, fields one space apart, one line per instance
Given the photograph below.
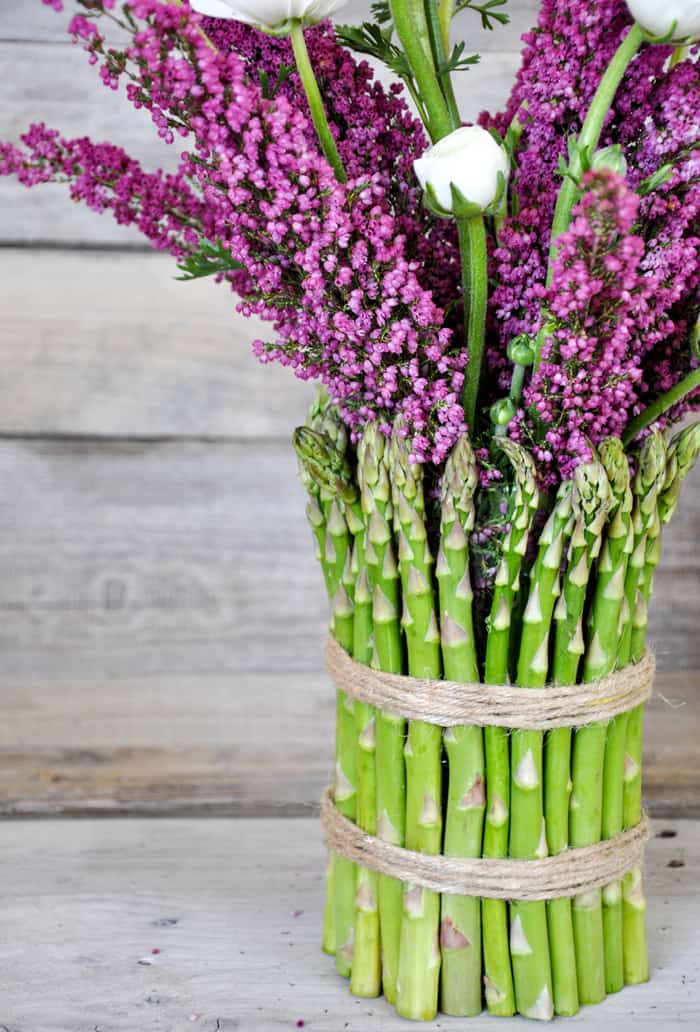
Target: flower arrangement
x=505 y=323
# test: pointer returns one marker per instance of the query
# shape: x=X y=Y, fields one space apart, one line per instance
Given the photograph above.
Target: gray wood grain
x=130 y=559
x=107 y=343
x=234 y=909
x=243 y=744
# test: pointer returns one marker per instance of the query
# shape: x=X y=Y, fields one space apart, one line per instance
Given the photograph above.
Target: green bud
x=521 y=350
x=502 y=412
x=611 y=158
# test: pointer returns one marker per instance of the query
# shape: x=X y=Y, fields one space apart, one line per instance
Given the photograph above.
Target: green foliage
x=209 y=260
x=490 y=17
x=456 y=62
x=270 y=88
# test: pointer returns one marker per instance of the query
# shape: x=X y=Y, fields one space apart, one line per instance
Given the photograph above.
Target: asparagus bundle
x=513 y=793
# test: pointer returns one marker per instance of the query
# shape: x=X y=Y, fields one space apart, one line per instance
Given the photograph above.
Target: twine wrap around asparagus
x=573 y=872
x=451 y=703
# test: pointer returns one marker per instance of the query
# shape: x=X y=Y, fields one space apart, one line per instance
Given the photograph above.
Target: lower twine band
x=571 y=873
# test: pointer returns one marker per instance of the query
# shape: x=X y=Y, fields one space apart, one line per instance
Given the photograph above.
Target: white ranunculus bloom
x=469 y=159
x=660 y=17
x=268 y=14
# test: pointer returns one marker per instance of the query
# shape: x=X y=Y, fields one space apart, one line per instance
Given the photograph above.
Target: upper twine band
x=571 y=873
x=451 y=703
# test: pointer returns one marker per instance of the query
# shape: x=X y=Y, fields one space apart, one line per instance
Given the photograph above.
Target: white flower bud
x=471 y=161
x=660 y=18
x=268 y=14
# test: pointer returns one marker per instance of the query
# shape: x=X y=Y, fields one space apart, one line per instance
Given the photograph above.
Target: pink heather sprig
x=375 y=132
x=325 y=263
x=564 y=59
x=163 y=207
x=605 y=317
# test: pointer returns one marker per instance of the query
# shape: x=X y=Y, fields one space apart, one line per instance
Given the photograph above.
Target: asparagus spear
x=498 y=979
x=647 y=484
x=335 y=474
x=529 y=942
x=323 y=463
x=591 y=499
x=460 y=925
x=383 y=583
x=419 y=962
x=600 y=660
x=682 y=454
x=366 y=966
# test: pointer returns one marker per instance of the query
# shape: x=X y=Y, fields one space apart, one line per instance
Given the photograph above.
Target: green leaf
x=456 y=62
x=490 y=16
x=209 y=260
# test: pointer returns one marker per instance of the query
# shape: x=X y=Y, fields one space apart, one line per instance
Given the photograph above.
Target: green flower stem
x=529 y=942
x=589 y=136
x=498 y=980
x=446 y=14
x=440 y=50
x=419 y=962
x=590 y=503
x=460 y=924
x=600 y=660
x=588 y=140
x=411 y=26
x=383 y=582
x=313 y=95
x=472 y=248
x=663 y=403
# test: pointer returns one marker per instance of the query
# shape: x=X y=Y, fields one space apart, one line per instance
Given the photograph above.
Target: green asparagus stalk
x=647 y=485
x=600 y=660
x=419 y=962
x=366 y=966
x=682 y=455
x=322 y=458
x=460 y=925
x=316 y=516
x=529 y=942
x=498 y=978
x=383 y=583
x=577 y=813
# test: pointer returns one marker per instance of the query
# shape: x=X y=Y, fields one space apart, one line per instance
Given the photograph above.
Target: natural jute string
x=451 y=703
x=571 y=873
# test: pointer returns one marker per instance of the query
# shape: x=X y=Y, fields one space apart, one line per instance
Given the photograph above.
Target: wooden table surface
x=213 y=925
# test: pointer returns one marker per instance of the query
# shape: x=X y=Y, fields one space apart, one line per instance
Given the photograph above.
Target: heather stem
x=472 y=248
x=587 y=142
x=663 y=403
x=313 y=95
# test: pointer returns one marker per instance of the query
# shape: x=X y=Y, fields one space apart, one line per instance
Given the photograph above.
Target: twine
x=571 y=873
x=452 y=703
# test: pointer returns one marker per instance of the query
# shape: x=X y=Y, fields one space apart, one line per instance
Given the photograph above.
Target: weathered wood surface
x=248 y=744
x=107 y=343
x=234 y=909
x=47 y=79
x=133 y=559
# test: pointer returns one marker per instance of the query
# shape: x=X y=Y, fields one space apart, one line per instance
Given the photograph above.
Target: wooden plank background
x=161 y=617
